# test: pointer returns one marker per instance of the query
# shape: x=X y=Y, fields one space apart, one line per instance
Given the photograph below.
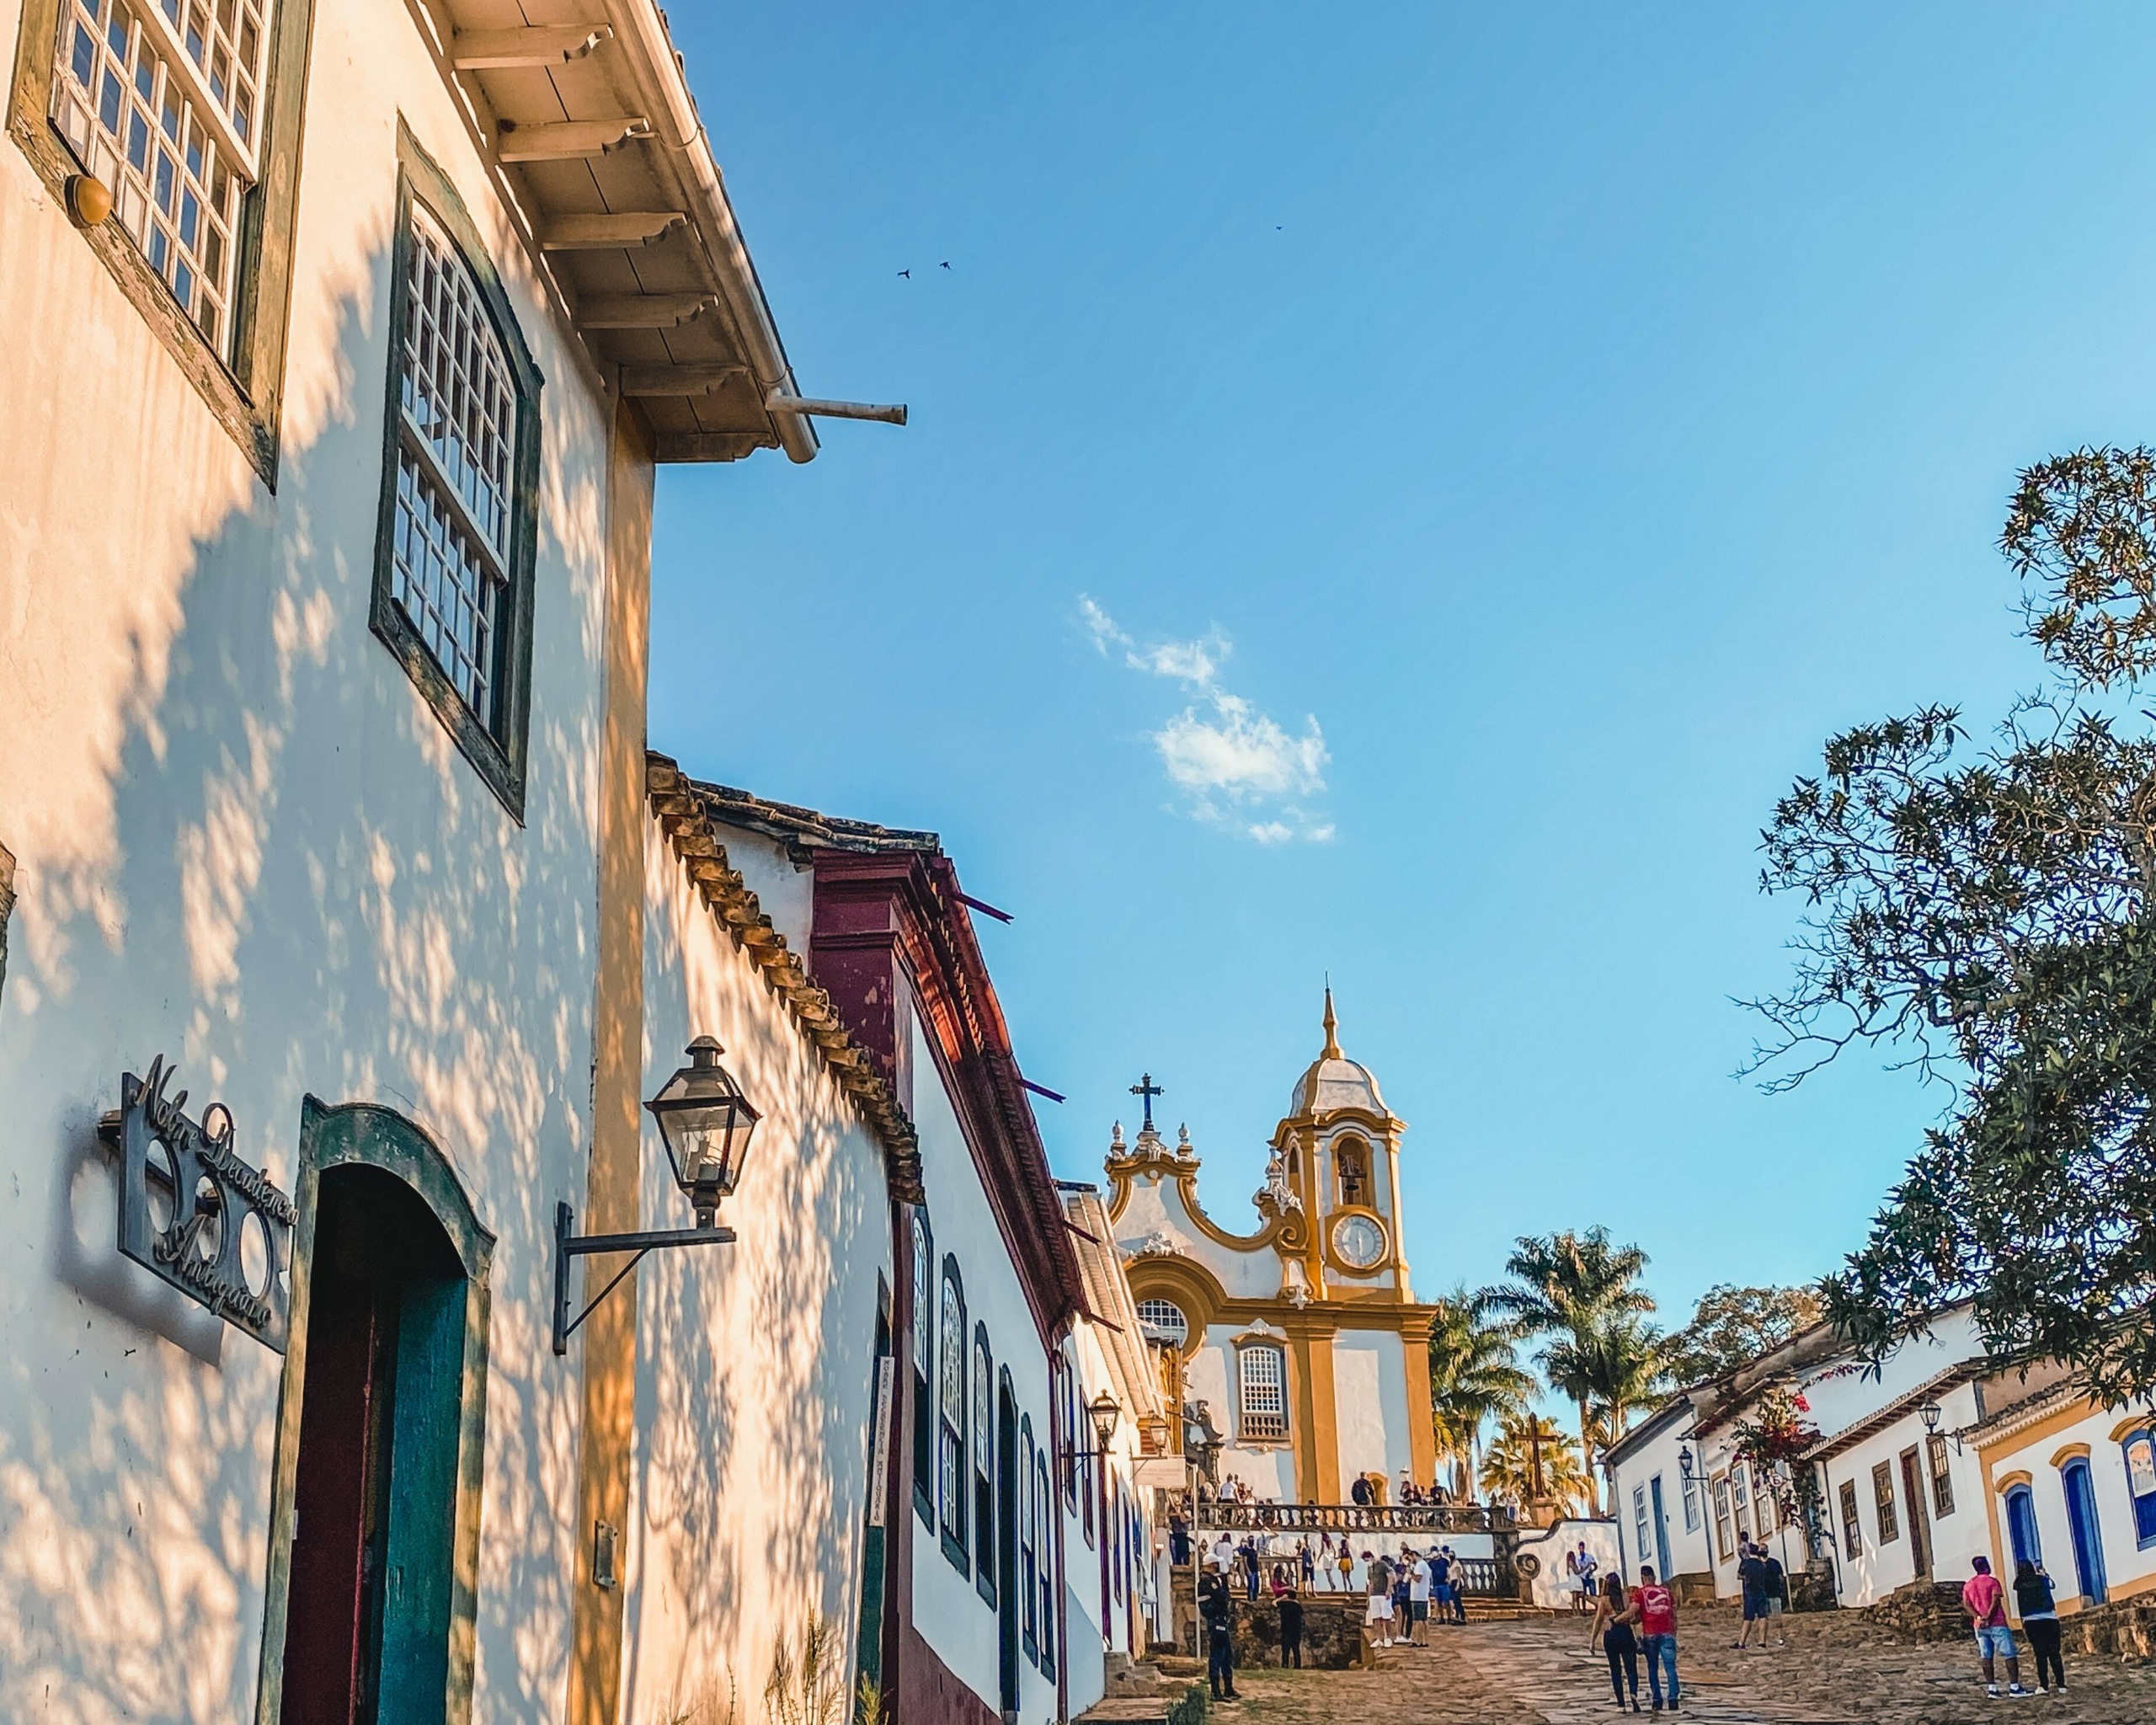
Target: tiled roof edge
x=682 y=814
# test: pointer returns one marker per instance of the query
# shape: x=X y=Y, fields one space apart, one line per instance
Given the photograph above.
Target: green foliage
x=1519 y=1461
x=1189 y=1708
x=1731 y=1325
x=1774 y=1441
x=1987 y=911
x=806 y=1686
x=1579 y=1295
x=1475 y=1377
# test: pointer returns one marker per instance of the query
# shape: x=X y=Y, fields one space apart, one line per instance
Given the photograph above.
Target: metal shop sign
x=192 y=1213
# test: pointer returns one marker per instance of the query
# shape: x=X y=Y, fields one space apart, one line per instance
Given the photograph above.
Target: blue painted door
x=2088 y=1537
x=2021 y=1526
x=1661 y=1530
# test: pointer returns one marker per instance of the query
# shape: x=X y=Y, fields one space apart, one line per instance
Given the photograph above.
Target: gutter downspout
x=641 y=32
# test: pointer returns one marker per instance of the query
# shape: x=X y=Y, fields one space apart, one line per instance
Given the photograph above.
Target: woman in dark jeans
x=1614 y=1615
x=2038 y=1610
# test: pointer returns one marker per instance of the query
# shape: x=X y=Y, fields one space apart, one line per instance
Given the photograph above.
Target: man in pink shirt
x=1984 y=1598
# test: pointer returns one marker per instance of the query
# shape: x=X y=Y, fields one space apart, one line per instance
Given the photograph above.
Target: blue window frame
x=2140 y=1450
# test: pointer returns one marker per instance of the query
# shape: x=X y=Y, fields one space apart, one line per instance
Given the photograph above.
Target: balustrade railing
x=1361 y=1517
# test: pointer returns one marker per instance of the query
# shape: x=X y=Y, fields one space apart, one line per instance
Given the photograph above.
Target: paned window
x=1942 y=1476
x=1741 y=1489
x=453 y=569
x=1163 y=1321
x=1766 y=1511
x=923 y=1322
x=984 y=1465
x=1641 y=1528
x=1262 y=1372
x=160 y=101
x=1029 y=1534
x=1691 y=1504
x=1852 y=1534
x=449 y=561
x=1882 y=1503
x=2141 y=1484
x=1723 y=1543
x=1046 y=1500
x=951 y=1408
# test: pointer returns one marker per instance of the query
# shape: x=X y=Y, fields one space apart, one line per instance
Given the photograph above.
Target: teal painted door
x=366 y=1637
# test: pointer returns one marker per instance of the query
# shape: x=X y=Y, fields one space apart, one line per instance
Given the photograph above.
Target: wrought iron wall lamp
x=706 y=1123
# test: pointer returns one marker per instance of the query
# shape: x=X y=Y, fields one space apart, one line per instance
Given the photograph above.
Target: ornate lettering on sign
x=192 y=1213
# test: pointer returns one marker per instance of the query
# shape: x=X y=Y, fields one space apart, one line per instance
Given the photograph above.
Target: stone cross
x=1147 y=1089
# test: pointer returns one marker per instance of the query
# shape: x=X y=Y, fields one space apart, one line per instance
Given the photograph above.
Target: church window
x=1352 y=1159
x=984 y=1466
x=1262 y=1371
x=922 y=1319
x=950 y=1403
x=453 y=569
x=1164 y=1321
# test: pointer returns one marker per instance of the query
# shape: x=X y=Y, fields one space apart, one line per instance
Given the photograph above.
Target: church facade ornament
x=1304 y=1333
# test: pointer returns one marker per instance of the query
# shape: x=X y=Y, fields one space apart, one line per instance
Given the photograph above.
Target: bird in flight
x=942 y=266
x=908 y=274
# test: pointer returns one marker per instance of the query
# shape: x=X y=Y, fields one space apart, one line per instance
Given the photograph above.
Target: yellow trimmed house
x=1300 y=1344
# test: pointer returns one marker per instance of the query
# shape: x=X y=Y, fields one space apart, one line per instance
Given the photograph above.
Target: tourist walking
x=1614 y=1616
x=2038 y=1606
x=1378 y=1615
x=1418 y=1600
x=1305 y=1564
x=1984 y=1598
x=1291 y=1630
x=1216 y=1608
x=1579 y=1565
x=1752 y=1573
x=1655 y=1611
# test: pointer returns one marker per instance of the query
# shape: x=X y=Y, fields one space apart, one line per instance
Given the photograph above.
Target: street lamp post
x=1104 y=1413
x=706 y=1123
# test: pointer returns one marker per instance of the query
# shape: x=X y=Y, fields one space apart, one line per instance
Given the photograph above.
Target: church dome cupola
x=1333 y=1081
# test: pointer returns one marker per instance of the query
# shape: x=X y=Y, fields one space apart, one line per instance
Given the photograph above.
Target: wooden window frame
x=1725 y=1518
x=956 y=1482
x=921 y=1362
x=500 y=756
x=1886 y=1513
x=1852 y=1524
x=244 y=395
x=1942 y=1474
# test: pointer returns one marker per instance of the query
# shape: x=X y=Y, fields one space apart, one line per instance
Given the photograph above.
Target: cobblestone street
x=1538 y=1672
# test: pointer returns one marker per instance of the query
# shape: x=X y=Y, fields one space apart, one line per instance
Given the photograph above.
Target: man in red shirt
x=1984 y=1599
x=1657 y=1609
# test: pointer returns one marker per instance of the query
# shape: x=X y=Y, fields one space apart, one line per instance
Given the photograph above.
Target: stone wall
x=1923 y=1611
x=1332 y=1633
x=2126 y=1629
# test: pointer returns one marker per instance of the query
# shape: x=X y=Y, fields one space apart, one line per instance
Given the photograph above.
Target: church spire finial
x=1331 y=1027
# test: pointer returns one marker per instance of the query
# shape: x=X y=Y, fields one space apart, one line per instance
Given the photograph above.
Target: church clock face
x=1358 y=1242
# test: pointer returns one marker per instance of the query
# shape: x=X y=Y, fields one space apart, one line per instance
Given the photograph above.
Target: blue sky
x=1401 y=491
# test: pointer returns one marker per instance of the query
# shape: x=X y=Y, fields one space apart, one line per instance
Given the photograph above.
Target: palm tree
x=1474 y=1376
x=1562 y=1289
x=1511 y=1465
x=1608 y=1370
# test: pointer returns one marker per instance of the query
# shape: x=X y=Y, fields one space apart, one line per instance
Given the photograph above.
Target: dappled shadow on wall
x=753 y=1361
x=269 y=861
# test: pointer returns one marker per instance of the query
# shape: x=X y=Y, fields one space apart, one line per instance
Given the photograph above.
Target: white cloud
x=1232 y=762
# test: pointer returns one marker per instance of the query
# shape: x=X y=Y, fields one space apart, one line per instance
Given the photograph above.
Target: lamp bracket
x=568 y=1246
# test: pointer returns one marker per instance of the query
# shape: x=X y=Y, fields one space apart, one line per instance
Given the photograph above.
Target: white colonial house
x=1931 y=1458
